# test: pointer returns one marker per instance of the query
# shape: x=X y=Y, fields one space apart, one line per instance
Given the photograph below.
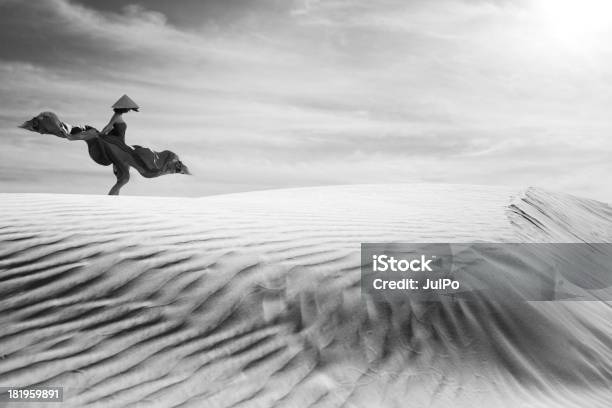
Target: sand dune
x=254 y=299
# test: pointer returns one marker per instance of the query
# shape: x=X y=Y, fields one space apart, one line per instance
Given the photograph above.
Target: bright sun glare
x=576 y=22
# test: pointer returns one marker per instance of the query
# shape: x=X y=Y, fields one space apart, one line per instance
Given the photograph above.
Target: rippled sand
x=253 y=299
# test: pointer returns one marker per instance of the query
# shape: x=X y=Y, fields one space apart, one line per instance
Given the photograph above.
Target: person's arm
x=109 y=127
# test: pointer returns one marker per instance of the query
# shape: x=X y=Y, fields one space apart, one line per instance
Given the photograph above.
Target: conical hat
x=125 y=103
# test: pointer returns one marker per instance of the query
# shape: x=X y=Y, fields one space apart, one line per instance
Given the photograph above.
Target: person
x=108 y=146
x=116 y=127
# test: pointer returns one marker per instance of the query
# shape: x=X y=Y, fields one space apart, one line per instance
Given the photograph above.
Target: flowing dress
x=152 y=163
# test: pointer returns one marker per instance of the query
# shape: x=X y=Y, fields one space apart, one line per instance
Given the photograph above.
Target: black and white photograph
x=306 y=203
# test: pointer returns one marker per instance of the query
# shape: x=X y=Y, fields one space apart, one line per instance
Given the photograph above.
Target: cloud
x=277 y=93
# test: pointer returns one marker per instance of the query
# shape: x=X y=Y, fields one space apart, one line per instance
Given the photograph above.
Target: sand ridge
x=253 y=299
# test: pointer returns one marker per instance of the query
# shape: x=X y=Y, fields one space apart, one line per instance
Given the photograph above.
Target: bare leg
x=122 y=172
x=125 y=159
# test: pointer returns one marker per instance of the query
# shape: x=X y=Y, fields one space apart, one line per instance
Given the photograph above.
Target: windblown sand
x=254 y=300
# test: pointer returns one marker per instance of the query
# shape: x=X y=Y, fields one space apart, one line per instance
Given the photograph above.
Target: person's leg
x=126 y=159
x=122 y=172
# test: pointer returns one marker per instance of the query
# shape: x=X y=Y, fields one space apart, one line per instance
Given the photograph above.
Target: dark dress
x=98 y=151
x=119 y=131
x=98 y=147
x=152 y=164
x=147 y=162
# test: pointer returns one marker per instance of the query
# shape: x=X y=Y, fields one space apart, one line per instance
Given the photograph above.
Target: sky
x=287 y=93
